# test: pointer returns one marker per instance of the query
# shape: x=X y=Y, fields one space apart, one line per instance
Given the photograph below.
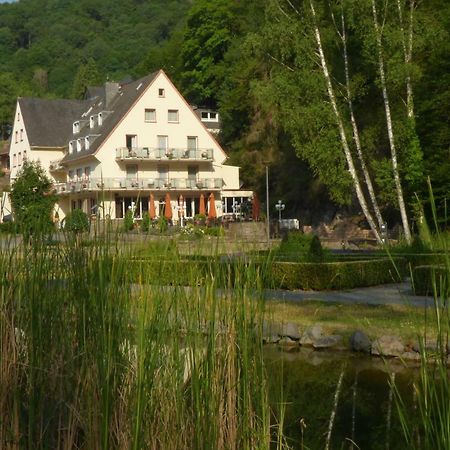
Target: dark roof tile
x=49 y=121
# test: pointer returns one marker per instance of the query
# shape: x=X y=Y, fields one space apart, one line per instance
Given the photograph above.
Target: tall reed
x=428 y=427
x=98 y=353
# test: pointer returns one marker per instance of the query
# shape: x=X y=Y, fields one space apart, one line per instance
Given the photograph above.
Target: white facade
x=158 y=146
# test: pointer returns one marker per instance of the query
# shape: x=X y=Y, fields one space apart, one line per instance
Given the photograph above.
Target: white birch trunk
x=398 y=185
x=348 y=155
x=361 y=158
x=407 y=44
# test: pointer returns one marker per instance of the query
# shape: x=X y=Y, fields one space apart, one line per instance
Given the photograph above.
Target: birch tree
x=390 y=130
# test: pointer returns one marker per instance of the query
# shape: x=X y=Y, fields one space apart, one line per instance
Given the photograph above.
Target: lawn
x=375 y=320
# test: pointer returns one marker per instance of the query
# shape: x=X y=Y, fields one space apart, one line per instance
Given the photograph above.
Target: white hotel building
x=125 y=142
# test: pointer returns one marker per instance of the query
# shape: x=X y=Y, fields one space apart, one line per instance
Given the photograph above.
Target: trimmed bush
x=301 y=247
x=145 y=225
x=128 y=221
x=426 y=278
x=278 y=275
x=336 y=275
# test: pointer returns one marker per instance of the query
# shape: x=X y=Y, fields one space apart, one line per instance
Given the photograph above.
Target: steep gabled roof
x=48 y=122
x=121 y=104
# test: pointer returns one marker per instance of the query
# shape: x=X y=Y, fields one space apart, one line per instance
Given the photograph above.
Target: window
x=14 y=160
x=18 y=117
x=163 y=142
x=79 y=145
x=24 y=155
x=71 y=147
x=76 y=127
x=131 y=171
x=86 y=142
x=71 y=174
x=87 y=172
x=131 y=141
x=92 y=122
x=19 y=159
x=209 y=116
x=161 y=92
x=16 y=137
x=172 y=115
x=163 y=173
x=100 y=119
x=192 y=172
x=192 y=143
x=150 y=115
x=21 y=135
x=79 y=173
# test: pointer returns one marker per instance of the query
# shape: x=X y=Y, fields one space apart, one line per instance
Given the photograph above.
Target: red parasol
x=256 y=206
x=167 y=208
x=212 y=214
x=202 y=209
x=151 y=207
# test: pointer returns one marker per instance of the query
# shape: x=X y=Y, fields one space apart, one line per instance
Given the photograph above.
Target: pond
x=365 y=413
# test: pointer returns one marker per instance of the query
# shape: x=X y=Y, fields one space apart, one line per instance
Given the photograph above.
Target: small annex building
x=125 y=143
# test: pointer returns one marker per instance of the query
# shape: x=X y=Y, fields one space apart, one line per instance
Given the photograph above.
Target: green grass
x=376 y=320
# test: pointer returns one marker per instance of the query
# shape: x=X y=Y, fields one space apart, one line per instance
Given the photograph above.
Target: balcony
x=126 y=184
x=161 y=154
x=56 y=166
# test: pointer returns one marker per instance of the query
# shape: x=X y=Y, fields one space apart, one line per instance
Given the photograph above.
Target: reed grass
x=428 y=426
x=95 y=356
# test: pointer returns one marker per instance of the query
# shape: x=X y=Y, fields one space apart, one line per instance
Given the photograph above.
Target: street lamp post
x=280 y=207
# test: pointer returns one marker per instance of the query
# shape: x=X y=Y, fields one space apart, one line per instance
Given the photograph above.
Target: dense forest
x=346 y=101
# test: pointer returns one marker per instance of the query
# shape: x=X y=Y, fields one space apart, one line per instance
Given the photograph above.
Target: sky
x=7 y=1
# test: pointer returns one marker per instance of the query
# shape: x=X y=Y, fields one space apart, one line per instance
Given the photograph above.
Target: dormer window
x=76 y=127
x=86 y=142
x=161 y=92
x=209 y=116
x=92 y=121
x=70 y=147
x=79 y=146
x=100 y=119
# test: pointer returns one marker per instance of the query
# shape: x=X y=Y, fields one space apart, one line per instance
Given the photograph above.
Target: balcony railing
x=164 y=154
x=56 y=165
x=120 y=184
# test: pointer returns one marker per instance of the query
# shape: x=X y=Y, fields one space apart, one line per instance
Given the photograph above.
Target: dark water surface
x=366 y=412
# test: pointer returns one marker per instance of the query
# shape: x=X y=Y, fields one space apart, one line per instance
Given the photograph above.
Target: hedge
x=275 y=275
x=427 y=277
x=337 y=275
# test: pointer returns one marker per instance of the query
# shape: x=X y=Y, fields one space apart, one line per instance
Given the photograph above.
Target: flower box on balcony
x=199 y=184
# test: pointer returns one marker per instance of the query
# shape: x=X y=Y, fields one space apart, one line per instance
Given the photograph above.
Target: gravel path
x=387 y=294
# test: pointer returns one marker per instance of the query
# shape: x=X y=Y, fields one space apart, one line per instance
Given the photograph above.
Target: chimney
x=111 y=90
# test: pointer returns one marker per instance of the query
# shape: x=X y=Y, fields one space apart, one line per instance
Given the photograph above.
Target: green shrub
x=427 y=278
x=76 y=221
x=301 y=246
x=145 y=225
x=336 y=275
x=8 y=228
x=128 y=222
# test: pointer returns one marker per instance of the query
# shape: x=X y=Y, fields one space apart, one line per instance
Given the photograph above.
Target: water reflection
x=358 y=413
